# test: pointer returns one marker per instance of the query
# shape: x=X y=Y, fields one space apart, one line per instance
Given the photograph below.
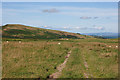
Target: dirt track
x=60 y=68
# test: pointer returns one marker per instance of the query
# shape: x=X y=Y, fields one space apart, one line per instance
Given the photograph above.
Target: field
x=90 y=58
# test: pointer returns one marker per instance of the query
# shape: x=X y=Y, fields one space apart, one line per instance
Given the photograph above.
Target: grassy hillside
x=39 y=59
x=32 y=59
x=27 y=32
x=95 y=59
x=23 y=57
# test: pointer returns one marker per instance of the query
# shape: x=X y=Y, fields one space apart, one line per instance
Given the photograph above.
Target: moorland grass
x=102 y=61
x=34 y=59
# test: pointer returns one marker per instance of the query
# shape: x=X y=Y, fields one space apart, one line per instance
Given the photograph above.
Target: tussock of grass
x=34 y=59
x=99 y=65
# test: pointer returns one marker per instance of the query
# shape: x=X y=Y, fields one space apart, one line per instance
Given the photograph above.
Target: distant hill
x=108 y=35
x=27 y=32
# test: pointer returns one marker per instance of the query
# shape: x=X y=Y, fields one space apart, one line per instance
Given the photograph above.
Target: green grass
x=27 y=32
x=34 y=59
x=99 y=65
x=74 y=66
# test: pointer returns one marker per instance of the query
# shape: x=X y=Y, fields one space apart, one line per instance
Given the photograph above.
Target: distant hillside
x=108 y=35
x=27 y=32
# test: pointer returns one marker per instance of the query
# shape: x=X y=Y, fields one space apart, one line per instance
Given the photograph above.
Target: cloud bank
x=53 y=10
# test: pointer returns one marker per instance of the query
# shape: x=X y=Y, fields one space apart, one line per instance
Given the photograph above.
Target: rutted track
x=60 y=68
x=87 y=75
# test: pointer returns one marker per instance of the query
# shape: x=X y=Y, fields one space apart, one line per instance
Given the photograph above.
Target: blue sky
x=82 y=17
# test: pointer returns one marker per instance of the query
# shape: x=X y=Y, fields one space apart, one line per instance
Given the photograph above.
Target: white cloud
x=64 y=10
x=72 y=11
x=77 y=27
x=98 y=28
x=65 y=27
x=75 y=11
x=53 y=10
x=45 y=26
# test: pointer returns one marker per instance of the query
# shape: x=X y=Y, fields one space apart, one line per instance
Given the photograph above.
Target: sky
x=60 y=0
x=77 y=17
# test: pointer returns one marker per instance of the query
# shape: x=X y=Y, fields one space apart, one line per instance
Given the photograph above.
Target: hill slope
x=27 y=32
x=108 y=35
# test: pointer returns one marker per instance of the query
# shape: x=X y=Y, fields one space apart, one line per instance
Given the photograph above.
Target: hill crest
x=23 y=32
